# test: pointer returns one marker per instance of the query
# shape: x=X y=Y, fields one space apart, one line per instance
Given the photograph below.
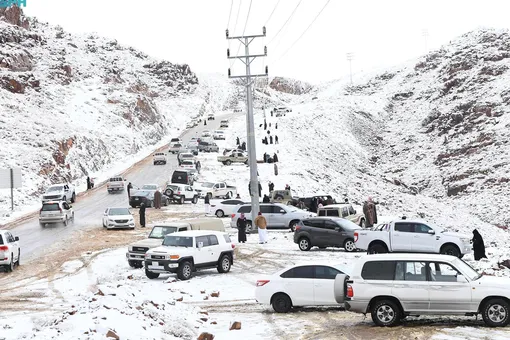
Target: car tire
x=386 y=313
x=10 y=266
x=72 y=218
x=135 y=264
x=304 y=244
x=151 y=275
x=377 y=249
x=73 y=198
x=19 y=258
x=224 y=264
x=184 y=271
x=228 y=162
x=349 y=245
x=181 y=200
x=292 y=225
x=281 y=303
x=219 y=213
x=194 y=200
x=42 y=224
x=496 y=313
x=450 y=249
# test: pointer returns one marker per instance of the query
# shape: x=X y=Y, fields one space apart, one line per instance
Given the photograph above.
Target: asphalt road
x=88 y=208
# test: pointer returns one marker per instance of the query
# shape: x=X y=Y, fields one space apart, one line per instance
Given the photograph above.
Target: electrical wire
x=285 y=23
x=247 y=17
x=233 y=32
x=302 y=34
x=270 y=15
x=230 y=13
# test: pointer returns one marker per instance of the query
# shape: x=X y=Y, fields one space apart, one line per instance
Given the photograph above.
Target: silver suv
x=56 y=212
x=277 y=216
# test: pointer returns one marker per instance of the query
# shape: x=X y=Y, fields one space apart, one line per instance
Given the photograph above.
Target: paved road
x=35 y=240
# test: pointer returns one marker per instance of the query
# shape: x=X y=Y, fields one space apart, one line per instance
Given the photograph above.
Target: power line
x=270 y=15
x=246 y=23
x=302 y=34
x=230 y=13
x=285 y=23
x=235 y=26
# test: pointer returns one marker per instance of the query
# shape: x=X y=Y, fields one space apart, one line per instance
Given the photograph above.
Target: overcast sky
x=379 y=33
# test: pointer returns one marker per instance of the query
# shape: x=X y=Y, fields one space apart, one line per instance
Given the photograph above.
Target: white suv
x=187 y=251
x=393 y=286
x=181 y=193
x=56 y=212
x=10 y=252
x=159 y=158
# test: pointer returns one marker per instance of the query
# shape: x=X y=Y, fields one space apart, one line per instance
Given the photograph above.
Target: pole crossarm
x=250 y=76
x=247 y=36
x=247 y=56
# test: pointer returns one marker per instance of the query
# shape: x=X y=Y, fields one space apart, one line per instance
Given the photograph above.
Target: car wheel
x=184 y=271
x=281 y=303
x=377 y=249
x=10 y=267
x=228 y=162
x=19 y=258
x=304 y=244
x=151 y=275
x=496 y=313
x=349 y=246
x=450 y=249
x=65 y=221
x=42 y=224
x=386 y=313
x=73 y=198
x=224 y=264
x=195 y=200
x=292 y=225
x=219 y=213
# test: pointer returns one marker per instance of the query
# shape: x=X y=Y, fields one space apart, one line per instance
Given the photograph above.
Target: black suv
x=325 y=232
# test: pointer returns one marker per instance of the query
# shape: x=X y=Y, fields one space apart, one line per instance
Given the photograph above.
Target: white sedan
x=299 y=285
x=224 y=208
x=118 y=218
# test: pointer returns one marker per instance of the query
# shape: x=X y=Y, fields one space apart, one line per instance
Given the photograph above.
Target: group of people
x=242 y=145
x=269 y=159
x=260 y=223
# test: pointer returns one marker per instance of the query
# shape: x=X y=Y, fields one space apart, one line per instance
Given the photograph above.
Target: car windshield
x=150 y=187
x=119 y=211
x=50 y=207
x=187 y=162
x=160 y=232
x=207 y=185
x=55 y=188
x=466 y=269
x=178 y=241
x=187 y=155
x=141 y=193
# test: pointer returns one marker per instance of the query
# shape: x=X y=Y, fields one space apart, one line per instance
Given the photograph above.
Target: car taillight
x=260 y=283
x=233 y=246
x=350 y=291
x=233 y=215
x=4 y=248
x=355 y=236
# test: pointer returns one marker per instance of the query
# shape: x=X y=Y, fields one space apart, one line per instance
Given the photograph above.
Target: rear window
x=332 y=212
x=245 y=209
x=378 y=270
x=1 y=240
x=115 y=179
x=225 y=236
x=50 y=207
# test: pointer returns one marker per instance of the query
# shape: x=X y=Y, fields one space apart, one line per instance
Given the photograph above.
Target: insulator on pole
x=226 y=31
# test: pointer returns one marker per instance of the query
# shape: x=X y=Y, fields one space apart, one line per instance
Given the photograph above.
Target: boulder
x=112 y=334
x=236 y=325
x=205 y=336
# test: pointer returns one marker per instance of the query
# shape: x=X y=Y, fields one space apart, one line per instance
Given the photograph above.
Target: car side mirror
x=200 y=245
x=461 y=278
x=70 y=207
x=16 y=238
x=283 y=211
x=431 y=232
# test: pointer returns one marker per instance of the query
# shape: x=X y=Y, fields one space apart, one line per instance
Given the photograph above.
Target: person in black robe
x=142 y=215
x=270 y=139
x=241 y=227
x=260 y=190
x=275 y=158
x=276 y=139
x=276 y=126
x=271 y=187
x=129 y=187
x=205 y=122
x=89 y=186
x=238 y=141
x=266 y=199
x=265 y=125
x=478 y=246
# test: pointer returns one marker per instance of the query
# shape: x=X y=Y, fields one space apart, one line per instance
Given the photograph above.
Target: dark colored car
x=182 y=177
x=147 y=197
x=325 y=232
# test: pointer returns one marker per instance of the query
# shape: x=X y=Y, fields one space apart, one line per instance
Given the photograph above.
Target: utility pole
x=247 y=59
x=425 y=34
x=349 y=57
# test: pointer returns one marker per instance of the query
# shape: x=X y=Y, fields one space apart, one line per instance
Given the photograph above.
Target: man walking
x=88 y=183
x=142 y=215
x=207 y=201
x=261 y=223
x=276 y=139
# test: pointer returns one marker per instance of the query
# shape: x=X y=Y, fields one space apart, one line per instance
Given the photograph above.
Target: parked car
x=56 y=212
x=413 y=236
x=234 y=157
x=150 y=187
x=299 y=285
x=182 y=177
x=188 y=251
x=277 y=215
x=346 y=211
x=307 y=200
x=219 y=135
x=159 y=158
x=225 y=208
x=115 y=184
x=208 y=146
x=181 y=193
x=210 y=116
x=185 y=155
x=118 y=218
x=147 y=197
x=136 y=251
x=393 y=286
x=216 y=189
x=325 y=232
x=224 y=123
x=206 y=133
x=229 y=151
x=60 y=192
x=280 y=196
x=187 y=164
x=175 y=148
x=10 y=250
x=175 y=140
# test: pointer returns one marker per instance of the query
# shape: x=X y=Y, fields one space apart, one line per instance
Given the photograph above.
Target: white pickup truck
x=218 y=189
x=412 y=236
x=60 y=192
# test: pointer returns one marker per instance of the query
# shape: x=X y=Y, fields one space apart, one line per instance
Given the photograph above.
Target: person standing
x=276 y=126
x=265 y=125
x=260 y=190
x=370 y=212
x=478 y=246
x=275 y=158
x=157 y=199
x=276 y=139
x=270 y=185
x=266 y=199
x=207 y=204
x=270 y=139
x=238 y=141
x=287 y=187
x=129 y=187
x=142 y=215
x=275 y=169
x=89 y=186
x=261 y=223
x=241 y=227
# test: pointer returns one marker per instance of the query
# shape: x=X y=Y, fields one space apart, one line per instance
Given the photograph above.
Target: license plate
x=173 y=265
x=136 y=199
x=155 y=264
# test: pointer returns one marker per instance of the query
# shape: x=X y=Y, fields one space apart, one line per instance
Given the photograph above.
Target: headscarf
x=260 y=213
x=242 y=215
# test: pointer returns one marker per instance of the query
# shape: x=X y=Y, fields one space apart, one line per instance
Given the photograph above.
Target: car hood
x=181 y=251
x=120 y=217
x=454 y=234
x=149 y=242
x=493 y=281
x=53 y=193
